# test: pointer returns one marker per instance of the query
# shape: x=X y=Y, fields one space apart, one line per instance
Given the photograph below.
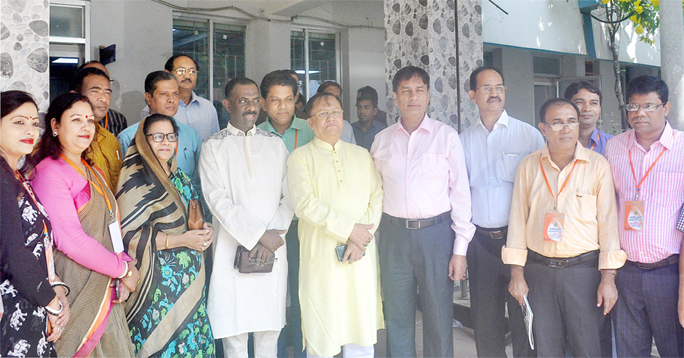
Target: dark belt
x=415 y=224
x=495 y=234
x=557 y=262
x=674 y=259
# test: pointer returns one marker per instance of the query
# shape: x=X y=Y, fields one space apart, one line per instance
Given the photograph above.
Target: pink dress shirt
x=63 y=191
x=424 y=174
x=662 y=193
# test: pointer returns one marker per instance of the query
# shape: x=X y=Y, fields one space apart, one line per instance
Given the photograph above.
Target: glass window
x=68 y=42
x=229 y=55
x=66 y=21
x=192 y=38
x=322 y=58
x=546 y=66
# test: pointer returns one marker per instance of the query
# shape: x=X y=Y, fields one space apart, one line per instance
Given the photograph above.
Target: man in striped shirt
x=648 y=170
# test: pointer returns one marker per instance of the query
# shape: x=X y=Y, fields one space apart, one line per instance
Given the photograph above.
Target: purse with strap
x=246 y=265
x=195 y=220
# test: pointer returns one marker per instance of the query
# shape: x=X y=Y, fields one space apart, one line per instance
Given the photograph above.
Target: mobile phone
x=339 y=250
x=117 y=283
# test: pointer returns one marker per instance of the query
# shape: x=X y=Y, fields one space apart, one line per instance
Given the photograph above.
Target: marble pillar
x=24 y=48
x=445 y=38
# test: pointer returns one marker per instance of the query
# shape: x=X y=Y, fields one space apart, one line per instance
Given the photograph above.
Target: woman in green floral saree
x=167 y=314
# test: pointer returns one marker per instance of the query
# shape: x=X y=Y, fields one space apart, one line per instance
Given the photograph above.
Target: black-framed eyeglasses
x=159 y=137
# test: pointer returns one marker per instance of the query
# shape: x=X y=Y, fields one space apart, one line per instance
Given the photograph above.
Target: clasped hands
x=358 y=240
x=269 y=242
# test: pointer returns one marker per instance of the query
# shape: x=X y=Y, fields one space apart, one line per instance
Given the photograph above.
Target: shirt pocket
x=584 y=208
x=669 y=189
x=433 y=166
x=507 y=167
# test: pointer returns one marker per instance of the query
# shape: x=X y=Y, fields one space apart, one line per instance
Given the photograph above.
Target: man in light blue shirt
x=588 y=99
x=193 y=110
x=161 y=95
x=493 y=148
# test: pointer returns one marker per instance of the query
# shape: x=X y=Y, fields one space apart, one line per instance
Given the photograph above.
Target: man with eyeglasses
x=243 y=171
x=648 y=169
x=562 y=242
x=278 y=95
x=494 y=146
x=193 y=110
x=162 y=96
x=588 y=99
x=425 y=228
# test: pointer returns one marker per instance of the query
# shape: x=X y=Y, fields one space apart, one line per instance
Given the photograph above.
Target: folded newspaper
x=528 y=316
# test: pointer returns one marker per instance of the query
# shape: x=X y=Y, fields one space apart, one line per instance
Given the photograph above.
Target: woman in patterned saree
x=84 y=214
x=27 y=275
x=167 y=317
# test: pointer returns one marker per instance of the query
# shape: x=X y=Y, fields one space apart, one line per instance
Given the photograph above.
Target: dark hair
x=317 y=98
x=327 y=84
x=473 y=76
x=77 y=83
x=9 y=102
x=169 y=63
x=154 y=77
x=278 y=78
x=49 y=145
x=367 y=93
x=555 y=102
x=238 y=81
x=408 y=73
x=647 y=84
x=89 y=63
x=291 y=72
x=580 y=85
x=154 y=118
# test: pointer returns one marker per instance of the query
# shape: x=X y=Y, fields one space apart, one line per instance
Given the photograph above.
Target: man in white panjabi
x=243 y=172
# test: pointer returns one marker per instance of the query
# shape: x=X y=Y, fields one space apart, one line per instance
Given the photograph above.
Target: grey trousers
x=412 y=260
x=564 y=304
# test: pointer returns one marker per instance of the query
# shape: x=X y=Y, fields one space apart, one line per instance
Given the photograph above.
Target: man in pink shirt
x=425 y=228
x=648 y=170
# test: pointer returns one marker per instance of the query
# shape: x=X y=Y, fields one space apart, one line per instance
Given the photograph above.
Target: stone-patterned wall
x=423 y=33
x=24 y=45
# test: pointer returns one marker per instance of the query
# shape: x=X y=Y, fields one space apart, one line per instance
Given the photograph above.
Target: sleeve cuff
x=612 y=260
x=511 y=256
x=460 y=246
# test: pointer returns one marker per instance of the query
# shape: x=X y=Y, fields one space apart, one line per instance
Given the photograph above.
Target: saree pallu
x=97 y=327
x=167 y=314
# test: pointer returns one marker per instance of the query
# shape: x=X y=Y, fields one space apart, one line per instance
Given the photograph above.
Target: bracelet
x=167 y=241
x=60 y=283
x=54 y=312
x=125 y=272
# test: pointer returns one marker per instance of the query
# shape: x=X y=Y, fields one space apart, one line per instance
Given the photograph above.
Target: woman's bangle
x=60 y=283
x=54 y=312
x=167 y=241
x=125 y=272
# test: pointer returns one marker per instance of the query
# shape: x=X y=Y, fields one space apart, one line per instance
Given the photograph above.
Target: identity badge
x=553 y=227
x=634 y=215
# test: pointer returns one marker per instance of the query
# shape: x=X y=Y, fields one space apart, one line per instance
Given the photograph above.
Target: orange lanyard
x=638 y=186
x=47 y=242
x=296 y=133
x=98 y=187
x=106 y=121
x=555 y=197
x=598 y=137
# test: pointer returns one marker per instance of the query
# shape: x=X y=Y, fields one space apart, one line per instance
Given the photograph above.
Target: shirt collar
x=234 y=131
x=426 y=124
x=296 y=125
x=581 y=153
x=503 y=120
x=666 y=139
x=324 y=145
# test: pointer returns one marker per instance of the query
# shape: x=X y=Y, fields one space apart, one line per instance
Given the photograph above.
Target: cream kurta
x=332 y=190
x=245 y=186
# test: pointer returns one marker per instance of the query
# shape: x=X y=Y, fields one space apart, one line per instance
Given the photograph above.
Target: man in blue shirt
x=162 y=96
x=366 y=128
x=588 y=99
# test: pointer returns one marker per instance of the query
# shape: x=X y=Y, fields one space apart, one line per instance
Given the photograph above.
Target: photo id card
x=117 y=238
x=553 y=226
x=634 y=215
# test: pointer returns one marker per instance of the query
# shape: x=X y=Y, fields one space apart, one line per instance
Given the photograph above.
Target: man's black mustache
x=250 y=113
x=496 y=98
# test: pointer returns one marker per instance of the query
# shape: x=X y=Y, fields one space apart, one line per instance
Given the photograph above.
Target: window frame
x=307 y=29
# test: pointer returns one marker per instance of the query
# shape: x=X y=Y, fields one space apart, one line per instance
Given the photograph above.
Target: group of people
x=162 y=238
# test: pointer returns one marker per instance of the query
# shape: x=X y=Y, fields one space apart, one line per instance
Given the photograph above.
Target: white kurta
x=245 y=186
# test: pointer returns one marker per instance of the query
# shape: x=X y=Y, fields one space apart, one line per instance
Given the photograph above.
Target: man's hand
x=260 y=253
x=271 y=239
x=518 y=287
x=607 y=293
x=361 y=235
x=457 y=267
x=353 y=253
x=680 y=305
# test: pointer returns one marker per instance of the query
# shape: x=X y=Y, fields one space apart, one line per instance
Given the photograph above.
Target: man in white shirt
x=493 y=147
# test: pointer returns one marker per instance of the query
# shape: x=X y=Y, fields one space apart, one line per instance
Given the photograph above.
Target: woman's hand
x=63 y=317
x=131 y=282
x=198 y=240
x=124 y=292
x=55 y=327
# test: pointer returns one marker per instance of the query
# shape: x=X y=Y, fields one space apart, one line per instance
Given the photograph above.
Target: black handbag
x=246 y=265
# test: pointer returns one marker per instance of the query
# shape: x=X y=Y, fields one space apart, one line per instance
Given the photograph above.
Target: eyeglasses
x=557 y=127
x=182 y=71
x=489 y=89
x=649 y=107
x=337 y=113
x=159 y=137
x=244 y=102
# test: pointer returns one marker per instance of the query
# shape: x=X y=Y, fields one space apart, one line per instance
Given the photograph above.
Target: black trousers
x=489 y=278
x=647 y=310
x=563 y=301
x=412 y=260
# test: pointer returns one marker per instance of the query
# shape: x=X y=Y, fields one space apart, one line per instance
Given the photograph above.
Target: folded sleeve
x=515 y=250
